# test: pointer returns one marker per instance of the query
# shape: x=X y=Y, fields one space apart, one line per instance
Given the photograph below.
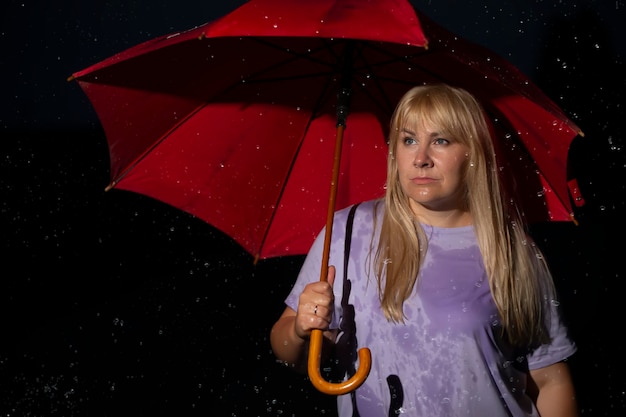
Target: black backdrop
x=114 y=304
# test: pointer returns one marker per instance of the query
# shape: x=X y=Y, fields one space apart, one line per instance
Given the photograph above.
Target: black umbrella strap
x=348 y=240
x=347 y=324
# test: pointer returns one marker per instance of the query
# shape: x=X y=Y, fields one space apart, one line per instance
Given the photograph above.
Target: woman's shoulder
x=363 y=207
x=366 y=215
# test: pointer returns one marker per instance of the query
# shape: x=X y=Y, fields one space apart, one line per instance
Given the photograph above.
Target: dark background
x=113 y=304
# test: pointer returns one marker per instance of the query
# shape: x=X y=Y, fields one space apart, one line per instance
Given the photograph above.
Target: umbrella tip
x=256 y=259
x=71 y=78
x=571 y=215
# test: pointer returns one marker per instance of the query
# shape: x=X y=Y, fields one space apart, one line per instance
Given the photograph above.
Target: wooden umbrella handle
x=318 y=381
x=315 y=343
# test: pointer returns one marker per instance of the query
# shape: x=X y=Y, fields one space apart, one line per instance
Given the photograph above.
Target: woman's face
x=431 y=171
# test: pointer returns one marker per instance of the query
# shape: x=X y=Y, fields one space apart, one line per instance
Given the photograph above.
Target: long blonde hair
x=514 y=265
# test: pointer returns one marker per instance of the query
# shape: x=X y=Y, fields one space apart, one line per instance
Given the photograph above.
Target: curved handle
x=355 y=381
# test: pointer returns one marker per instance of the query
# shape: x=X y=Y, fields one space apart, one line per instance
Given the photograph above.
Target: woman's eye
x=409 y=141
x=441 y=141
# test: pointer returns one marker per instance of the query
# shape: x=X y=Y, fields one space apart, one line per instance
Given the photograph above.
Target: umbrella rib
x=362 y=71
x=149 y=149
x=294 y=56
x=314 y=113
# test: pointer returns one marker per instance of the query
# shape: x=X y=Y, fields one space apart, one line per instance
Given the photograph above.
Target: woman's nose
x=422 y=158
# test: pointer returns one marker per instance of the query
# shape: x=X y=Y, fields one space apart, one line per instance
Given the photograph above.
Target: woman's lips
x=422 y=180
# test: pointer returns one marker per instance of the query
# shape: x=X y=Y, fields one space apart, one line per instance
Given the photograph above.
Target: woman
x=443 y=285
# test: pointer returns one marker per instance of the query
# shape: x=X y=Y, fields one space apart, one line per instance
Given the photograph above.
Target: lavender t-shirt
x=447 y=358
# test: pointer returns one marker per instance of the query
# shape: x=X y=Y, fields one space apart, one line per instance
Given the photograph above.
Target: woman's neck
x=445 y=219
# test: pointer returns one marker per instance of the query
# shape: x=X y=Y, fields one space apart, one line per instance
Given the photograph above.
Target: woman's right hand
x=315 y=306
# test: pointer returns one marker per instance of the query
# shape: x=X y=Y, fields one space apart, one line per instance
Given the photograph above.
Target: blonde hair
x=514 y=265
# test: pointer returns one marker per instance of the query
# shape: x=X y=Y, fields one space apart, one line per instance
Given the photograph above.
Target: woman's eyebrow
x=412 y=133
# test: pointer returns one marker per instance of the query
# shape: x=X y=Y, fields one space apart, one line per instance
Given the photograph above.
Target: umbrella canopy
x=235 y=121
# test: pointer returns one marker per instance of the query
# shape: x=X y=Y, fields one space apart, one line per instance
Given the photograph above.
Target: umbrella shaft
x=331 y=202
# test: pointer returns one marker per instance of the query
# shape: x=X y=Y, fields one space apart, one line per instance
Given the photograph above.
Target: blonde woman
x=442 y=284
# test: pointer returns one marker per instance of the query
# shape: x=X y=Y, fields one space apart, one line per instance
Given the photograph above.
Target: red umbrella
x=237 y=121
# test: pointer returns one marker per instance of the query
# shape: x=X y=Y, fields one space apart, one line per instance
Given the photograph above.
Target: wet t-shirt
x=447 y=358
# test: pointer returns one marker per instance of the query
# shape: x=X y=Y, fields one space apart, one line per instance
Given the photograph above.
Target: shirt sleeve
x=311 y=268
x=561 y=346
x=310 y=271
